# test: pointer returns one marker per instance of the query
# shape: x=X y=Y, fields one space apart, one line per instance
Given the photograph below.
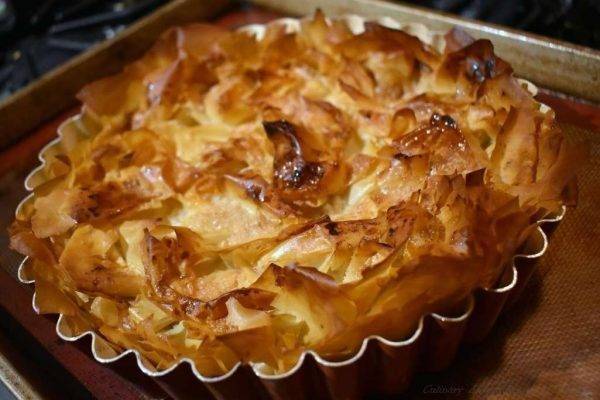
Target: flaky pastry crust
x=247 y=200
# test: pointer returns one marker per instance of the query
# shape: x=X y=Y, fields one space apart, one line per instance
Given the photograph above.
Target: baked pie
x=245 y=198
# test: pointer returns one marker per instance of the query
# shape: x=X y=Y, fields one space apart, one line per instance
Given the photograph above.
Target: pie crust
x=249 y=196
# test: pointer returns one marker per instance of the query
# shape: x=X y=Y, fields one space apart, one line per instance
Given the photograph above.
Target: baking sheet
x=545 y=347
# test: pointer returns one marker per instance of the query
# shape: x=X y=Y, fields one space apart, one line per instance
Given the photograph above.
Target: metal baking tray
x=575 y=70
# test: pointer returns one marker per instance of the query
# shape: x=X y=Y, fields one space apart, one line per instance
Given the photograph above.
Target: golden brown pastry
x=246 y=199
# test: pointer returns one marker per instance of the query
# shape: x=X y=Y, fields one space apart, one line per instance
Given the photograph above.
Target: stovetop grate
x=36 y=36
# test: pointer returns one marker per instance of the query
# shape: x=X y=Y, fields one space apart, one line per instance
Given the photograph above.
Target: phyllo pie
x=247 y=198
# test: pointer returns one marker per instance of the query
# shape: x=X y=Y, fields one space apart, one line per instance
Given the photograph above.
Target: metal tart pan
x=380 y=366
